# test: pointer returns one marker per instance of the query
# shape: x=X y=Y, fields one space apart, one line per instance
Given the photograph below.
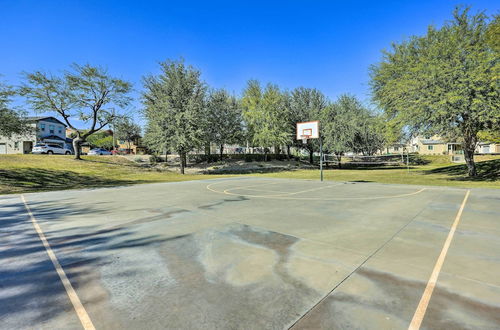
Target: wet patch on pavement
x=232 y=276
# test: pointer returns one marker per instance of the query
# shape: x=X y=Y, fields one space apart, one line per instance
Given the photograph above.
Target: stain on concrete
x=231 y=277
x=382 y=300
x=161 y=215
x=222 y=202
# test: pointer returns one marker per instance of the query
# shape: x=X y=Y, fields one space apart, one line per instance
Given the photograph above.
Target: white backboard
x=308 y=128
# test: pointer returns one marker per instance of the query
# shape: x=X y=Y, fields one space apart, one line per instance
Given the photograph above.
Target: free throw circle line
x=70 y=291
x=227 y=191
x=285 y=197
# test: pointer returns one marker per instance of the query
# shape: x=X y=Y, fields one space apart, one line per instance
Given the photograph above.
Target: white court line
x=77 y=304
x=288 y=197
x=431 y=284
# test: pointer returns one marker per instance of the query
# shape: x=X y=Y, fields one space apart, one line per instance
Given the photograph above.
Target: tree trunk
x=469 y=159
x=311 y=152
x=221 y=152
x=77 y=143
x=182 y=158
x=265 y=155
x=339 y=159
x=288 y=152
x=207 y=152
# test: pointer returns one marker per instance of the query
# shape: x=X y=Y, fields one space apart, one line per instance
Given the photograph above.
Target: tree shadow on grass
x=120 y=162
x=31 y=292
x=486 y=171
x=37 y=179
x=258 y=170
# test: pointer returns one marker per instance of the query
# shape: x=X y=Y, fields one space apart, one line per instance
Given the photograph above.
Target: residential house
x=43 y=130
x=135 y=147
x=395 y=148
x=488 y=148
x=435 y=145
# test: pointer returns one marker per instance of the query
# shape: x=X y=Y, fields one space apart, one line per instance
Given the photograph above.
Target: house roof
x=427 y=141
x=38 y=118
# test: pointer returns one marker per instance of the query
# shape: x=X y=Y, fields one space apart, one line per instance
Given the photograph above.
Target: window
x=16 y=145
x=51 y=129
x=42 y=127
x=396 y=148
x=430 y=147
x=60 y=129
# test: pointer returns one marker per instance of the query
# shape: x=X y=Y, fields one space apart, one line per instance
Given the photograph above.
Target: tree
x=489 y=136
x=224 y=119
x=174 y=102
x=250 y=104
x=493 y=34
x=127 y=130
x=369 y=137
x=446 y=82
x=267 y=115
x=101 y=139
x=86 y=93
x=341 y=123
x=12 y=121
x=305 y=104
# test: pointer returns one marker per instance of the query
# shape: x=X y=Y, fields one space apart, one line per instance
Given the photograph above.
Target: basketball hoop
x=310 y=130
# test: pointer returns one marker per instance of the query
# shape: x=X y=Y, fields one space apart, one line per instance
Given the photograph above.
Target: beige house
x=435 y=145
x=135 y=147
x=488 y=148
x=43 y=129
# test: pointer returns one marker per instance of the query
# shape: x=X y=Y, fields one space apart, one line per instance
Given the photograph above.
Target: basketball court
x=251 y=253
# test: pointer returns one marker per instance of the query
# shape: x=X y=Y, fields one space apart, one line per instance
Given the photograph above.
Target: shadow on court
x=31 y=292
x=251 y=253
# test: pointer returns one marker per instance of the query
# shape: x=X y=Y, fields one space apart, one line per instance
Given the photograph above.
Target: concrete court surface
x=251 y=253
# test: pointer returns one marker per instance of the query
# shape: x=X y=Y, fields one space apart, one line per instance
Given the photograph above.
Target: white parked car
x=48 y=148
x=99 y=151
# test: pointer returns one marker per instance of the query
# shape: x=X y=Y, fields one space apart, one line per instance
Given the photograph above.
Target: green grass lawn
x=30 y=173
x=438 y=172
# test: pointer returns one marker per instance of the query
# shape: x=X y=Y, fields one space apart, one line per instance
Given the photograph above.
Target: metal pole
x=321 y=158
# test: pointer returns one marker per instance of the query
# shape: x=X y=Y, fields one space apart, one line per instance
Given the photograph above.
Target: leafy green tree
x=493 y=34
x=101 y=139
x=224 y=119
x=305 y=104
x=369 y=137
x=126 y=130
x=12 y=121
x=251 y=106
x=489 y=136
x=341 y=123
x=86 y=93
x=266 y=113
x=446 y=82
x=174 y=103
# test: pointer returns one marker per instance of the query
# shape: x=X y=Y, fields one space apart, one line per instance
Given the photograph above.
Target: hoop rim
x=304 y=138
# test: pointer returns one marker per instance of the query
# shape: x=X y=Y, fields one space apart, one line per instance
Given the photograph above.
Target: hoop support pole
x=321 y=159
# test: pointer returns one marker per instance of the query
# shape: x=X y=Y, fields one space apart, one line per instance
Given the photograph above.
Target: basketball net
x=305 y=138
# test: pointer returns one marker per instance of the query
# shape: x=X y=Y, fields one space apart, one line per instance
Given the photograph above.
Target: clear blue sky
x=328 y=45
